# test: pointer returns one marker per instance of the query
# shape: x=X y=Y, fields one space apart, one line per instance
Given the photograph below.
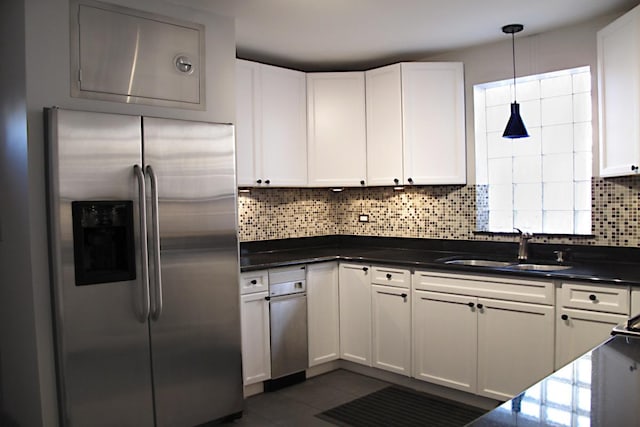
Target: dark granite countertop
x=598 y=265
x=600 y=388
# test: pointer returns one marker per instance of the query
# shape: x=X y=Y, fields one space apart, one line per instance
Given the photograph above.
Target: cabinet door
x=391 y=329
x=256 y=349
x=323 y=313
x=434 y=125
x=283 y=127
x=618 y=47
x=578 y=331
x=336 y=129
x=445 y=339
x=247 y=121
x=355 y=313
x=515 y=346
x=384 y=126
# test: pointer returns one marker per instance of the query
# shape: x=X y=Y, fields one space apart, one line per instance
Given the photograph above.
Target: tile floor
x=297 y=405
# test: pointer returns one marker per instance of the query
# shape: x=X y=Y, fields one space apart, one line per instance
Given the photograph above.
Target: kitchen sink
x=539 y=267
x=480 y=262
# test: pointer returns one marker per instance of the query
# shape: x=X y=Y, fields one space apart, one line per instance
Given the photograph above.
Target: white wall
x=18 y=346
x=565 y=48
x=36 y=38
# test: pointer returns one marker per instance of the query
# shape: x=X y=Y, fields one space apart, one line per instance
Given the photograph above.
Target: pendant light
x=515 y=126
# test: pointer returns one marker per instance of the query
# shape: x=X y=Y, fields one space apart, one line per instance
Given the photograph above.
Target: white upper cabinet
x=337 y=144
x=271 y=126
x=433 y=123
x=619 y=95
x=384 y=126
x=415 y=124
x=247 y=118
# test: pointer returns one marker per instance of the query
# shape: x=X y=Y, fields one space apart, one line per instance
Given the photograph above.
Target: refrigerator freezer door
x=195 y=339
x=102 y=341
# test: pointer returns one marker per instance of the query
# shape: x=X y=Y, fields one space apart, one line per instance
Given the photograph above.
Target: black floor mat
x=400 y=407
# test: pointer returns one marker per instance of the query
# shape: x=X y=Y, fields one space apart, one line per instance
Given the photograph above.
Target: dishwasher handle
x=275 y=298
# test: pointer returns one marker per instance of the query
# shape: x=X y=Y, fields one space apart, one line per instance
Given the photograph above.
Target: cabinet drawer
x=610 y=299
x=391 y=277
x=529 y=290
x=254 y=281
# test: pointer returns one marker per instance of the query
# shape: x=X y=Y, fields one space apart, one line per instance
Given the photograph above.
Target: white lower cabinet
x=322 y=313
x=578 y=331
x=515 y=346
x=355 y=313
x=444 y=339
x=391 y=327
x=585 y=316
x=256 y=347
x=492 y=347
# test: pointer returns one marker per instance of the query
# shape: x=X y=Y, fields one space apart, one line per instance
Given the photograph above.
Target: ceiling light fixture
x=515 y=126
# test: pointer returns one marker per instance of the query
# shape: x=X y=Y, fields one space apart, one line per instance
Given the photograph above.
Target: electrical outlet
x=363 y=218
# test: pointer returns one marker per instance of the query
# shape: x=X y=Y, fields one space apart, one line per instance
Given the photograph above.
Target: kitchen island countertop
x=601 y=388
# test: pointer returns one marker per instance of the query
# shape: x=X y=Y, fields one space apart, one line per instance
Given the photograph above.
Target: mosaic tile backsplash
x=434 y=212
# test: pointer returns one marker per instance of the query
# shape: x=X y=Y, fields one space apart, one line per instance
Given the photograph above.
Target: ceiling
x=323 y=35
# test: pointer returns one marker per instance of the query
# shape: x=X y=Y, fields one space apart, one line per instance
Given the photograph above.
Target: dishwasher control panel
x=287 y=280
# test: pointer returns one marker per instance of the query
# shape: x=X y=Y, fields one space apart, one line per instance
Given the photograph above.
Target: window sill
x=516 y=234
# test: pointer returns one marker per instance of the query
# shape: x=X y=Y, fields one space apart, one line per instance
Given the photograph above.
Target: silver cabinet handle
x=155 y=236
x=144 y=253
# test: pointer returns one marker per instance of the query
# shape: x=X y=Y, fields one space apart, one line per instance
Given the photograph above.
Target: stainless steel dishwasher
x=288 y=321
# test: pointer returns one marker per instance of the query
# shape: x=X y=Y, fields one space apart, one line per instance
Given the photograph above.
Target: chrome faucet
x=523 y=244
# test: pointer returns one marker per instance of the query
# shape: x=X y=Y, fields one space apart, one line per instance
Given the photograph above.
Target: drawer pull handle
x=564 y=317
x=403 y=295
x=267 y=298
x=480 y=306
x=470 y=304
x=592 y=297
x=388 y=276
x=254 y=282
x=365 y=269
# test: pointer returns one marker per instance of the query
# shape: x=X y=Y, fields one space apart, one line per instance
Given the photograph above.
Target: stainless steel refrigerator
x=144 y=260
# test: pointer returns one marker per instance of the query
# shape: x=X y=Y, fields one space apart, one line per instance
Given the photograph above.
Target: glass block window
x=540 y=184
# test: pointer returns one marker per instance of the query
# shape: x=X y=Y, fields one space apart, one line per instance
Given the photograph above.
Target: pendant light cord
x=513 y=53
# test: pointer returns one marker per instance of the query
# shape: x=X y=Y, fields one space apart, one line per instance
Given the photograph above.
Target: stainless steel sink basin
x=540 y=267
x=480 y=262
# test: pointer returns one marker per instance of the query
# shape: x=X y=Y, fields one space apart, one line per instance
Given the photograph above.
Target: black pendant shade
x=515 y=126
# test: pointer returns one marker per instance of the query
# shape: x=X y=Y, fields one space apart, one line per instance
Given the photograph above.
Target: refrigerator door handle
x=144 y=253
x=155 y=235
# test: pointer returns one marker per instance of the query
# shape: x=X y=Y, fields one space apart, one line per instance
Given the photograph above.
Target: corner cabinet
x=336 y=129
x=355 y=313
x=323 y=313
x=618 y=47
x=271 y=126
x=384 y=126
x=415 y=124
